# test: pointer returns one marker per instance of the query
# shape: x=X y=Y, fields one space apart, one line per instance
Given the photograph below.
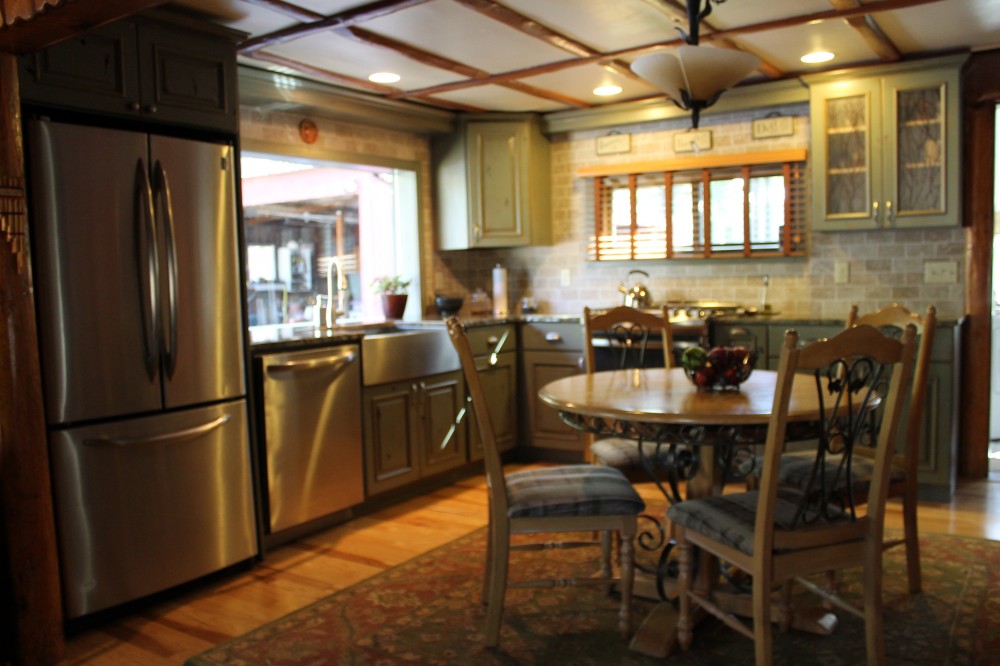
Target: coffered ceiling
x=550 y=55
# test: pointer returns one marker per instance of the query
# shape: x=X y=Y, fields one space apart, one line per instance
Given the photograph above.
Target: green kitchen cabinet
x=551 y=350
x=492 y=185
x=158 y=67
x=494 y=349
x=885 y=147
x=409 y=432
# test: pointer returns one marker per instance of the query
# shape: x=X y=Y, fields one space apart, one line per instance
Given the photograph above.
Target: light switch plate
x=841 y=272
x=940 y=272
x=564 y=277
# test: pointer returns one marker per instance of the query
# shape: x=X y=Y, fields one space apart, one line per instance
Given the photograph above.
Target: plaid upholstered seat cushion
x=624 y=453
x=797 y=466
x=729 y=519
x=571 y=490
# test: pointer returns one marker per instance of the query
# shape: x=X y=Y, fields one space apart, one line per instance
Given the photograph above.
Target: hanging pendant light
x=695 y=77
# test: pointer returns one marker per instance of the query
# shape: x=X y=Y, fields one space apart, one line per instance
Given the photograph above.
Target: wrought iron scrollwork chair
x=795 y=467
x=627 y=333
x=568 y=498
x=778 y=534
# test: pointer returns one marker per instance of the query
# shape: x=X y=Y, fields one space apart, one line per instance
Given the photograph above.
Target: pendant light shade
x=697 y=75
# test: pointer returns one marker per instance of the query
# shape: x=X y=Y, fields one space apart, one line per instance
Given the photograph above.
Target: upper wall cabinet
x=492 y=185
x=149 y=69
x=886 y=148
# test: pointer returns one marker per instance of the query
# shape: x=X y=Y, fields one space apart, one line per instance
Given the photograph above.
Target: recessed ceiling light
x=817 y=56
x=383 y=77
x=607 y=91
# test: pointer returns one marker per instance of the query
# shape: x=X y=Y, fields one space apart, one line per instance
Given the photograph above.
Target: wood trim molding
x=699 y=162
x=28 y=565
x=981 y=92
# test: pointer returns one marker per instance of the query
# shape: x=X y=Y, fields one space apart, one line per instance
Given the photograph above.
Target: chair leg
x=497 y=586
x=874 y=641
x=488 y=569
x=762 y=634
x=627 y=578
x=910 y=534
x=685 y=557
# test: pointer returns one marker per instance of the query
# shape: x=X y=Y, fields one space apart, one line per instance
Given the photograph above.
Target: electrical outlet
x=941 y=272
x=841 y=272
x=564 y=277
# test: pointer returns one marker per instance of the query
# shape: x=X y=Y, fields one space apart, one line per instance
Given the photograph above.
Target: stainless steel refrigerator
x=134 y=239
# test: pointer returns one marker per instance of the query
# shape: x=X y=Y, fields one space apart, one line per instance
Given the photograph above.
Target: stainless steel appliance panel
x=312 y=417
x=96 y=353
x=201 y=363
x=148 y=503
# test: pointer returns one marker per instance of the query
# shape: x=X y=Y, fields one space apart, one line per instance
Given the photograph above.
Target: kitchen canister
x=500 y=291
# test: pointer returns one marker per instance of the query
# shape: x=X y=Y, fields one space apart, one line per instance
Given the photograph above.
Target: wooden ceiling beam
x=345 y=19
x=833 y=14
x=447 y=64
x=869 y=31
x=288 y=9
x=678 y=11
x=529 y=26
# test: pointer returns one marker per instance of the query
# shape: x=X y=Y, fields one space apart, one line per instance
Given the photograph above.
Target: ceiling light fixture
x=696 y=77
x=383 y=77
x=607 y=91
x=817 y=56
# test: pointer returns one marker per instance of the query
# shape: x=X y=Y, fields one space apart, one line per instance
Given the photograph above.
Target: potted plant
x=392 y=288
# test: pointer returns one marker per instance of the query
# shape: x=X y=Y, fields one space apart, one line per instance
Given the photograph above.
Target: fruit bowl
x=719 y=368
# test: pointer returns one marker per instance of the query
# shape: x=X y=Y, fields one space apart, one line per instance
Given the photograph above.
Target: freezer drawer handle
x=176 y=436
x=337 y=363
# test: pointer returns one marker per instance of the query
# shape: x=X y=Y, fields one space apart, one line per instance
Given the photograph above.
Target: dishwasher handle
x=335 y=363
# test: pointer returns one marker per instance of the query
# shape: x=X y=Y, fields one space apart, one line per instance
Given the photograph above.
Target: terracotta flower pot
x=393 y=305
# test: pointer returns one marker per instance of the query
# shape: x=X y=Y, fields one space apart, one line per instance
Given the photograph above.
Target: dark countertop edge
x=803 y=320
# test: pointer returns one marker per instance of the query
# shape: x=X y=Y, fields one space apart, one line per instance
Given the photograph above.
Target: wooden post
x=981 y=93
x=29 y=588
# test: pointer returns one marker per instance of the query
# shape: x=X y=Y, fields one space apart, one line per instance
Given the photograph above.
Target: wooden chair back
x=895 y=318
x=628 y=332
x=858 y=373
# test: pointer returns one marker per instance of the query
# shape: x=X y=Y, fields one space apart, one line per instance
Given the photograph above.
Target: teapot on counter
x=636 y=295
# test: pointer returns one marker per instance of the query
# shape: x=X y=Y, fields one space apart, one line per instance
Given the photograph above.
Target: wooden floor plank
x=299 y=573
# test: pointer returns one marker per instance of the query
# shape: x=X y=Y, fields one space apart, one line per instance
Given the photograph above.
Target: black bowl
x=448 y=305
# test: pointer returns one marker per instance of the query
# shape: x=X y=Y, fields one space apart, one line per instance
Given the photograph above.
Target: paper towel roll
x=500 y=291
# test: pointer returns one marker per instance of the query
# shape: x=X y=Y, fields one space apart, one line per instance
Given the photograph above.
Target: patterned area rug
x=427 y=611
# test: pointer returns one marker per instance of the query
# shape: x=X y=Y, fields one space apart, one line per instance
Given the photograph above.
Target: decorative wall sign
x=614 y=143
x=693 y=141
x=308 y=131
x=771 y=126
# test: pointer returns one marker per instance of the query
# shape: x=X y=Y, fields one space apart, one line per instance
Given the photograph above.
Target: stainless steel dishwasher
x=312 y=426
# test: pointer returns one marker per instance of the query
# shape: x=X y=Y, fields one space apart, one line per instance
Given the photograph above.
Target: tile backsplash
x=884 y=266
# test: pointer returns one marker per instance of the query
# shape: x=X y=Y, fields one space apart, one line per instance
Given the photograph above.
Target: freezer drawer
x=149 y=503
x=312 y=424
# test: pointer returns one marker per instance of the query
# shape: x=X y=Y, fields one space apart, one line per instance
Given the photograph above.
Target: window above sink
x=713 y=207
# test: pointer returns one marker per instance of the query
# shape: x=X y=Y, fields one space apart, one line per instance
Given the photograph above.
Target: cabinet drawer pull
x=552 y=336
x=492 y=340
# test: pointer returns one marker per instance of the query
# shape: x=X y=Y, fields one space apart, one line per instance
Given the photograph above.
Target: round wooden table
x=662 y=407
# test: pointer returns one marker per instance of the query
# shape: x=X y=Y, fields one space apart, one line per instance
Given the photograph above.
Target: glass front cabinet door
x=886 y=150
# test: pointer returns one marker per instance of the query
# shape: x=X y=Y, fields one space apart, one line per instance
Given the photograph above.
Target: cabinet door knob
x=890 y=215
x=151 y=108
x=134 y=106
x=875 y=212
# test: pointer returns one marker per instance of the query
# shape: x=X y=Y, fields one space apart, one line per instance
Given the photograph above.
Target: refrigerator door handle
x=176 y=436
x=161 y=188
x=147 y=259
